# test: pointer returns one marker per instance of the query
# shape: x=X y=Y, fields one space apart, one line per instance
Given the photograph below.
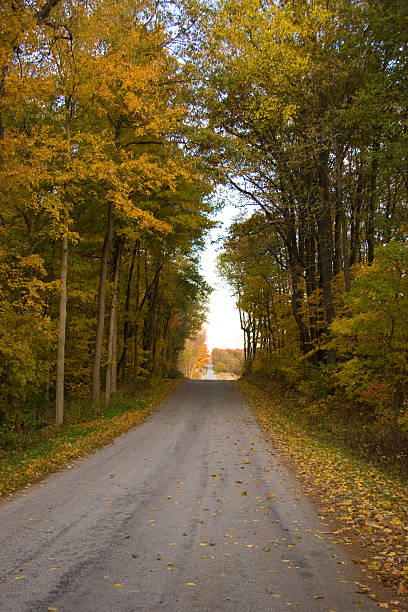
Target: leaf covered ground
x=62 y=445
x=368 y=507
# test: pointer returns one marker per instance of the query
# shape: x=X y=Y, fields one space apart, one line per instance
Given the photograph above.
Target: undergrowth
x=328 y=417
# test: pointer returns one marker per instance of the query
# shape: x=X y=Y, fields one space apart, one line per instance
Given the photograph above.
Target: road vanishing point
x=192 y=510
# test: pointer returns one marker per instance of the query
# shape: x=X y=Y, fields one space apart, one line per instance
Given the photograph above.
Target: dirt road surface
x=192 y=510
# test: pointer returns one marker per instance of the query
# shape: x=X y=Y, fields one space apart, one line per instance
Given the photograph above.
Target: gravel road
x=192 y=510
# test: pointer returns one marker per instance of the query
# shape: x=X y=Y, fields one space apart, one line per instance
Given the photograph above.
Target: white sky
x=223 y=327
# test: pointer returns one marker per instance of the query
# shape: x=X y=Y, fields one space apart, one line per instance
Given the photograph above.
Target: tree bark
x=323 y=216
x=59 y=399
x=96 y=374
x=123 y=360
x=110 y=379
x=342 y=219
x=371 y=205
x=356 y=209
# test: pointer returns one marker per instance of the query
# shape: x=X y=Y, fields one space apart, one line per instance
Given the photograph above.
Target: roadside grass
x=85 y=430
x=366 y=506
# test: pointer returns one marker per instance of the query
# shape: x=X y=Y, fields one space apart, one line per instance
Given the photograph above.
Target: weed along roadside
x=53 y=447
x=366 y=506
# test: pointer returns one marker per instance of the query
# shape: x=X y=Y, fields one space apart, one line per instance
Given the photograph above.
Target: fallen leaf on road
x=191 y=584
x=118 y=585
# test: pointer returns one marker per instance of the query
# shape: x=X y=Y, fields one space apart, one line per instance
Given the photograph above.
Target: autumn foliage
x=103 y=204
x=228 y=360
x=308 y=108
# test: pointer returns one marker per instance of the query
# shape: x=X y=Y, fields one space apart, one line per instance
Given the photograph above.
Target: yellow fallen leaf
x=203 y=543
x=249 y=545
x=52 y=609
x=191 y=584
x=118 y=585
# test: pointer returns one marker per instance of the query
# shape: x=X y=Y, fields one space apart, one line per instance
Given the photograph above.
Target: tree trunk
x=111 y=365
x=115 y=355
x=136 y=328
x=59 y=399
x=342 y=218
x=150 y=319
x=3 y=74
x=96 y=375
x=371 y=205
x=126 y=334
x=356 y=221
x=323 y=216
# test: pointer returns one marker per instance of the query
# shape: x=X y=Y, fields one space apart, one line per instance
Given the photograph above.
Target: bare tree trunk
x=342 y=218
x=136 y=327
x=371 y=205
x=126 y=334
x=114 y=376
x=111 y=365
x=356 y=210
x=59 y=399
x=324 y=244
x=136 y=353
x=96 y=375
x=3 y=74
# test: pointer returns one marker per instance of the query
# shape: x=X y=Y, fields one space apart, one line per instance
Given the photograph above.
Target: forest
x=104 y=204
x=230 y=361
x=118 y=120
x=308 y=102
